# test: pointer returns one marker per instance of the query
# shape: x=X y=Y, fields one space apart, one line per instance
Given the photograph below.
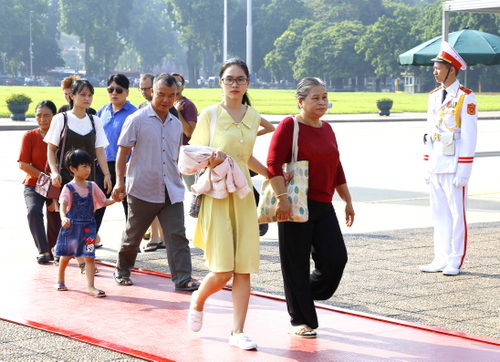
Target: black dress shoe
x=42 y=259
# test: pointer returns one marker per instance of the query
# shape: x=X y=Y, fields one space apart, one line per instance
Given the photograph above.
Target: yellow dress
x=227 y=229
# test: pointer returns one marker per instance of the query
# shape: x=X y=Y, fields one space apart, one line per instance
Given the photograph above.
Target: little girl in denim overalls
x=79 y=238
x=78 y=231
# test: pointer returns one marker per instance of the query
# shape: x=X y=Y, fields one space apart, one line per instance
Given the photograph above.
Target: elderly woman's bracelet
x=283 y=194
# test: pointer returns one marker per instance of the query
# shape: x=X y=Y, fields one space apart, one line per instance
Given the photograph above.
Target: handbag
x=44 y=185
x=45 y=188
x=296 y=189
x=194 y=208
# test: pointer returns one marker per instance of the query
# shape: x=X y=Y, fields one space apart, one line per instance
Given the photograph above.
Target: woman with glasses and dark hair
x=227 y=229
x=84 y=132
x=33 y=161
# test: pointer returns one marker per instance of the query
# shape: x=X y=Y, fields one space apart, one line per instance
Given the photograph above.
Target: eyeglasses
x=117 y=89
x=145 y=89
x=239 y=81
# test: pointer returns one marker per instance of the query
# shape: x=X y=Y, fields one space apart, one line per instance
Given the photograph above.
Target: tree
x=281 y=59
x=152 y=35
x=328 y=52
x=333 y=11
x=46 y=51
x=100 y=25
x=200 y=25
x=237 y=26
x=389 y=37
x=431 y=22
x=271 y=22
x=14 y=21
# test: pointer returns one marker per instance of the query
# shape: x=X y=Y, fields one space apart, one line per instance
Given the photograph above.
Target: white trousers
x=448 y=206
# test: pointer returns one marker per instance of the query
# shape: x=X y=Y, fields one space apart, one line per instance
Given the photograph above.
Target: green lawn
x=266 y=101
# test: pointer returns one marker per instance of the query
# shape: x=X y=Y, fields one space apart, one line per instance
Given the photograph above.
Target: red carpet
x=148 y=320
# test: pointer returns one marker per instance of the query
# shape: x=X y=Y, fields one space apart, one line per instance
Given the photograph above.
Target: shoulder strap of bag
x=92 y=121
x=213 y=123
x=65 y=130
x=295 y=140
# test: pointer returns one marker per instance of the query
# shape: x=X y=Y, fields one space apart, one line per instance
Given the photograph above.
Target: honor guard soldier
x=450 y=147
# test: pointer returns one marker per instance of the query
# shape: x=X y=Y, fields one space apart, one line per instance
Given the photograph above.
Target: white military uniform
x=451 y=143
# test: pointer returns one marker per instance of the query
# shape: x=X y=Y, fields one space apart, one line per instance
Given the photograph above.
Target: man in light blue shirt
x=153 y=184
x=113 y=116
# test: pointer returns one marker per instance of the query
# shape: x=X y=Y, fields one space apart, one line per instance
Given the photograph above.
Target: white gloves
x=427 y=177
x=460 y=181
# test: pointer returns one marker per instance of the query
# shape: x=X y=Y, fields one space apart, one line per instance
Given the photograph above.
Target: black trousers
x=99 y=180
x=44 y=240
x=321 y=239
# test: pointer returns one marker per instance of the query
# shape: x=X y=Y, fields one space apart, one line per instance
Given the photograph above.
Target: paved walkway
x=392 y=235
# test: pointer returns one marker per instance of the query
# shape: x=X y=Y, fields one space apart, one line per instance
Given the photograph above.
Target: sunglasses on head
x=117 y=89
x=179 y=83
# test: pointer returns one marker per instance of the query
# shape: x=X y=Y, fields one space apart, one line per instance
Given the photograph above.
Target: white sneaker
x=431 y=268
x=195 y=319
x=242 y=340
x=451 y=271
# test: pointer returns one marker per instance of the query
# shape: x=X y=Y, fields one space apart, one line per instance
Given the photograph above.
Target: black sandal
x=42 y=259
x=151 y=247
x=189 y=286
x=125 y=281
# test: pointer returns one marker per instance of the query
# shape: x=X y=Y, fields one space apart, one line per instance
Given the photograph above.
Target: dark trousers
x=321 y=239
x=171 y=217
x=44 y=240
x=99 y=180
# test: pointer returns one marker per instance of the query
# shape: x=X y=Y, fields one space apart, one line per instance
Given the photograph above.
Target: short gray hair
x=165 y=78
x=305 y=86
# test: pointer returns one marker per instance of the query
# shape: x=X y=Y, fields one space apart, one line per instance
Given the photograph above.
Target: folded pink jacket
x=226 y=177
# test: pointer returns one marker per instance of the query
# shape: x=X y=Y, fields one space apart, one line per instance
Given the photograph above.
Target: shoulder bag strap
x=65 y=130
x=92 y=121
x=213 y=123
x=295 y=140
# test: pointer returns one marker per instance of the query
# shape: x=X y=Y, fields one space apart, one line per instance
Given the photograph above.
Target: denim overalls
x=79 y=238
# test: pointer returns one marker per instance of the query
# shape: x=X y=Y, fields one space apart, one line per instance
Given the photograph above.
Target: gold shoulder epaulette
x=438 y=88
x=466 y=90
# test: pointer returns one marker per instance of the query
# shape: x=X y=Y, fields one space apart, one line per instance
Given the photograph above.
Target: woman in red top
x=33 y=160
x=320 y=237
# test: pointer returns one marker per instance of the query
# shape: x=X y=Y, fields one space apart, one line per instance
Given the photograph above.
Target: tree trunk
x=191 y=63
x=87 y=53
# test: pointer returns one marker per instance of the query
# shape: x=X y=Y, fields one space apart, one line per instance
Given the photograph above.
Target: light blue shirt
x=112 y=123
x=155 y=151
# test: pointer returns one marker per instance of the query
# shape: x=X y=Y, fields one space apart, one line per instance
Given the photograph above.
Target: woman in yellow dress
x=227 y=229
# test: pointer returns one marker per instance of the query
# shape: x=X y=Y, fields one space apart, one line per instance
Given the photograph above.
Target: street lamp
x=31 y=50
x=249 y=36
x=224 y=37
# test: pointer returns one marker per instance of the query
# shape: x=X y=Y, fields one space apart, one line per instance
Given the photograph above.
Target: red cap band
x=450 y=59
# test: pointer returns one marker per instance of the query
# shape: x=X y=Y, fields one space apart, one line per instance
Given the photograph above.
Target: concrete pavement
x=391 y=236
